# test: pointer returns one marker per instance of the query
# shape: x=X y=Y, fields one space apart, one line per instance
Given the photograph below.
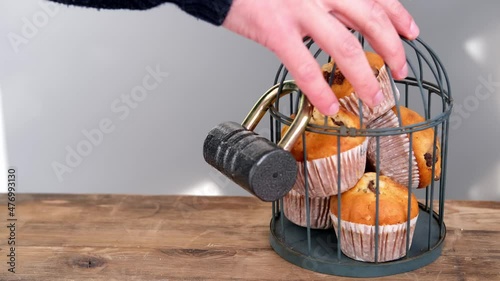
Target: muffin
x=294 y=207
x=394 y=152
x=347 y=96
x=358 y=218
x=321 y=159
x=423 y=147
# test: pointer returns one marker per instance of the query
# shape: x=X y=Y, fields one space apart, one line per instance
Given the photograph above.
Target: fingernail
x=334 y=109
x=414 y=30
x=403 y=73
x=377 y=99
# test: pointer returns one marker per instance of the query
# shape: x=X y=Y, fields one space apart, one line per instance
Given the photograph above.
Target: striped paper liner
x=358 y=240
x=322 y=173
x=351 y=102
x=319 y=210
x=393 y=152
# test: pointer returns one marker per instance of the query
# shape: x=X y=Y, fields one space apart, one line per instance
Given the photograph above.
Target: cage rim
x=349 y=131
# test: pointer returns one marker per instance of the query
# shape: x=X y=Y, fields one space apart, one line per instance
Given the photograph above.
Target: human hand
x=281 y=25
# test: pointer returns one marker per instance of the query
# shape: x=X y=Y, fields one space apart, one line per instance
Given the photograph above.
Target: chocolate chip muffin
x=358 y=218
x=393 y=152
x=423 y=147
x=322 y=156
x=344 y=91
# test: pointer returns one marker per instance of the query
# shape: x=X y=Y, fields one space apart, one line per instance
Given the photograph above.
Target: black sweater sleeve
x=212 y=11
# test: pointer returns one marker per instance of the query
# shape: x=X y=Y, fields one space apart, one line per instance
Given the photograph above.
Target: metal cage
x=426 y=90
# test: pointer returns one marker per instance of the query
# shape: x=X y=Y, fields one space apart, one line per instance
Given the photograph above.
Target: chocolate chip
x=371 y=186
x=338 y=123
x=428 y=159
x=326 y=75
x=338 y=78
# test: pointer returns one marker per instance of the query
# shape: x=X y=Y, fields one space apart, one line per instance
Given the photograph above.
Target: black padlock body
x=253 y=162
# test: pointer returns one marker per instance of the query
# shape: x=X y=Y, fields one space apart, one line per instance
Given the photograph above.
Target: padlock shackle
x=265 y=102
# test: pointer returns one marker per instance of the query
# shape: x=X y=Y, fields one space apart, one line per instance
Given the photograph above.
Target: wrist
x=212 y=11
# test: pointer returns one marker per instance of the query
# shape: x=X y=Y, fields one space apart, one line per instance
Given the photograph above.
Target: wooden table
x=119 y=237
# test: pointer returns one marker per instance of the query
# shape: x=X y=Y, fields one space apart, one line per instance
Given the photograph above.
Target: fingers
x=334 y=38
x=372 y=20
x=307 y=73
x=400 y=18
x=280 y=26
x=274 y=25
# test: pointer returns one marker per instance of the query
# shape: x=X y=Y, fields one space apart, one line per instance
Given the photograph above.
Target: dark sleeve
x=212 y=11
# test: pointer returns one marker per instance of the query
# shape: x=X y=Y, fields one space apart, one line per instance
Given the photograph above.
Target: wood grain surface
x=120 y=237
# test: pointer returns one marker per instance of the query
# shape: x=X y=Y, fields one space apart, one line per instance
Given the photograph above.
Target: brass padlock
x=263 y=168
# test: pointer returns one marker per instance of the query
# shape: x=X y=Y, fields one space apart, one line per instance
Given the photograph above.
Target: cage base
x=290 y=242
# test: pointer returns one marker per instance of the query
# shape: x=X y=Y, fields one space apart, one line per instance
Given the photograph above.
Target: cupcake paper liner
x=358 y=240
x=322 y=173
x=393 y=152
x=351 y=102
x=295 y=210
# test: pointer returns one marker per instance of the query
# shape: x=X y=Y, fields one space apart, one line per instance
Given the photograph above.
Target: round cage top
x=426 y=88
